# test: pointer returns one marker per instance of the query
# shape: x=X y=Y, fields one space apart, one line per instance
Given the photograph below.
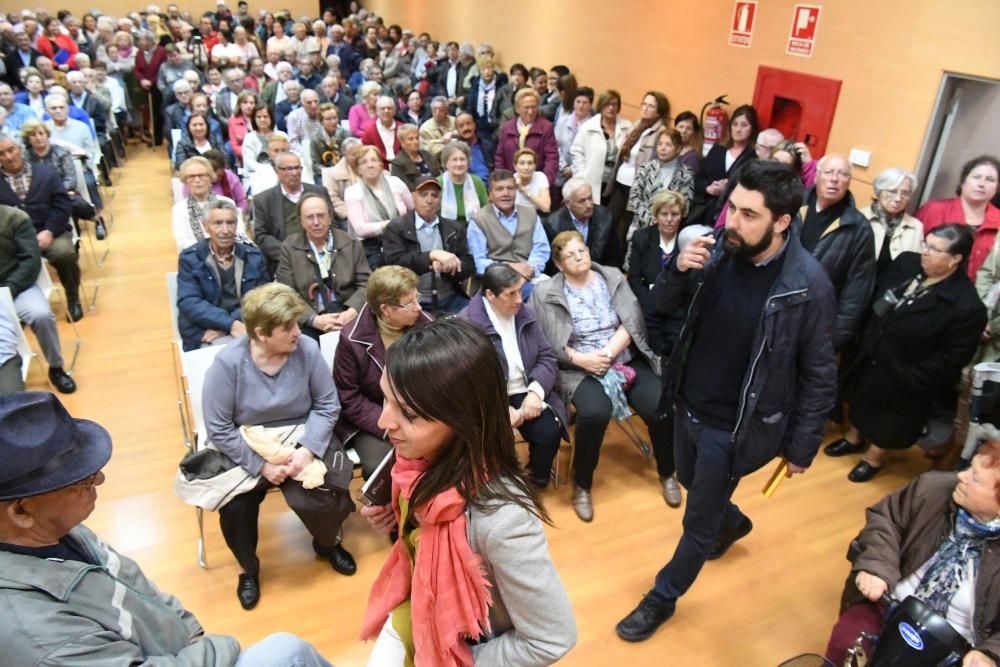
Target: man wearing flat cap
x=433 y=247
x=66 y=597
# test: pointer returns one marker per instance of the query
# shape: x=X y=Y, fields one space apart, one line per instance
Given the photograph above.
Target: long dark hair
x=750 y=113
x=662 y=116
x=448 y=371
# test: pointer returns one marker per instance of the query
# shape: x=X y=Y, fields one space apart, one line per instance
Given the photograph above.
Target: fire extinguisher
x=714 y=121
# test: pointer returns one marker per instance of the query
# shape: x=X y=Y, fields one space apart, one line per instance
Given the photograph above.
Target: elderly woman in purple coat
x=392 y=309
x=529 y=364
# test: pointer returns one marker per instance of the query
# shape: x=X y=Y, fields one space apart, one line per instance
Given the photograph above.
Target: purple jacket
x=539 y=359
x=541 y=139
x=357 y=369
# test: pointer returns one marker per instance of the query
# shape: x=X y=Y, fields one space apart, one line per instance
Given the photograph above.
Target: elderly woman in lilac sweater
x=528 y=362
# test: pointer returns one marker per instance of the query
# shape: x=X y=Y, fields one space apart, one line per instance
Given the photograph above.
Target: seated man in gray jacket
x=66 y=597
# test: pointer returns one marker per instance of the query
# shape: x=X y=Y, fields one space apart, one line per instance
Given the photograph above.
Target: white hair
x=574 y=184
x=291 y=83
x=892 y=178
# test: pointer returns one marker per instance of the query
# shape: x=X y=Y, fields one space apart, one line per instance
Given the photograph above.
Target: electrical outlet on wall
x=860 y=158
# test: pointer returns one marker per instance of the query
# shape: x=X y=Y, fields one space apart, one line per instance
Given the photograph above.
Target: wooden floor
x=772 y=597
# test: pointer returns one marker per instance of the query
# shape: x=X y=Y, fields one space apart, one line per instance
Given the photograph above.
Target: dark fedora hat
x=43 y=449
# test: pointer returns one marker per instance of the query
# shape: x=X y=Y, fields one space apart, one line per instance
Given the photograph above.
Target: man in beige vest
x=503 y=232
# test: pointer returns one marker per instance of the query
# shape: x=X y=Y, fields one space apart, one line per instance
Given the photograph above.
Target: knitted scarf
x=891 y=222
x=449 y=202
x=447 y=588
x=196 y=215
x=381 y=206
x=961 y=550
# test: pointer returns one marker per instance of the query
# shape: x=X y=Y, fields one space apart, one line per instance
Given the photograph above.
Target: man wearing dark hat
x=432 y=247
x=66 y=597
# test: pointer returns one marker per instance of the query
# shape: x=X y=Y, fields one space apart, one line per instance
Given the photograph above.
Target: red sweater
x=939 y=212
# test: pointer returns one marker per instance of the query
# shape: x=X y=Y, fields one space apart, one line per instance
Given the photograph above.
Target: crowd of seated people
x=385 y=181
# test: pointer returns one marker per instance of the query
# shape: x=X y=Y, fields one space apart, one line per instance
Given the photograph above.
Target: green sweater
x=20 y=258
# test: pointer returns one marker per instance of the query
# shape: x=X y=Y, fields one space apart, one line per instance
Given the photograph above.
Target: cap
x=426 y=181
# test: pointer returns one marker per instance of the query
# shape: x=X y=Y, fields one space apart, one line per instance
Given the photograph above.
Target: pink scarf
x=448 y=594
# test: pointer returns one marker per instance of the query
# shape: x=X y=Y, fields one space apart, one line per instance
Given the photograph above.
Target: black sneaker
x=729 y=538
x=645 y=619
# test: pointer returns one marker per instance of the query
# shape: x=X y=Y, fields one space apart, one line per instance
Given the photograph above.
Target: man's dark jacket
x=790 y=384
x=601 y=238
x=401 y=246
x=47 y=203
x=846 y=249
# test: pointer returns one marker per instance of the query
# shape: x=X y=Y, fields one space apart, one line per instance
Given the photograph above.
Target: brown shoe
x=583 y=504
x=671 y=490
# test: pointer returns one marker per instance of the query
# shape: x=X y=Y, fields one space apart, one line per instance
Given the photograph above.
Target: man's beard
x=737 y=246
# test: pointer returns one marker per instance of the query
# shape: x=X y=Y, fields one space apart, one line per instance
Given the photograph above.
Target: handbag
x=80 y=208
x=209 y=479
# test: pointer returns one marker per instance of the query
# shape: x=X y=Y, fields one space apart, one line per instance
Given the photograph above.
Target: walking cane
x=152 y=122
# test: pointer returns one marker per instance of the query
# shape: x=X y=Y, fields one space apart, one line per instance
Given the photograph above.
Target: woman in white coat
x=595 y=149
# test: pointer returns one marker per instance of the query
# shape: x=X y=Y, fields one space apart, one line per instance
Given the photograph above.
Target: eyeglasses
x=411 y=305
x=290 y=169
x=902 y=194
x=192 y=176
x=830 y=173
x=924 y=247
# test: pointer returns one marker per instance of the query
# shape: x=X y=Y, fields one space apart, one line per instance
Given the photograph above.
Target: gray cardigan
x=238 y=393
x=531 y=617
x=549 y=303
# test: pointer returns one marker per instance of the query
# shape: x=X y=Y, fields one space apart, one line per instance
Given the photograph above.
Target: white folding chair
x=328 y=343
x=194 y=366
x=176 y=135
x=172 y=297
x=328 y=346
x=45 y=283
x=91 y=241
x=23 y=347
x=177 y=189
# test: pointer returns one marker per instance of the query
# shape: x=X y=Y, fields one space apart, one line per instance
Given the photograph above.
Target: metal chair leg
x=630 y=431
x=202 y=559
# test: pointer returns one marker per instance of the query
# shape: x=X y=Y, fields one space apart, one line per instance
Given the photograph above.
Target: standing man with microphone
x=753 y=374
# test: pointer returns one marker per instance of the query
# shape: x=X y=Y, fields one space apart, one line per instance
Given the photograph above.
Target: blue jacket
x=790 y=385
x=199 y=292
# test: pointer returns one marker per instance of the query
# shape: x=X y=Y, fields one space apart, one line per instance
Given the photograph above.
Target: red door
x=801 y=106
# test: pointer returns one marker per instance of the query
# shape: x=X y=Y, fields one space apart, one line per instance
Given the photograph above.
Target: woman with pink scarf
x=469 y=580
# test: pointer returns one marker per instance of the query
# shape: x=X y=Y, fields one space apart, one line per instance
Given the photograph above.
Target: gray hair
x=74 y=75
x=406 y=129
x=283 y=154
x=181 y=84
x=350 y=142
x=574 y=184
x=385 y=98
x=309 y=92
x=892 y=178
x=147 y=34
x=220 y=205
x=439 y=99
x=292 y=83
x=826 y=158
x=284 y=65
x=7 y=137
x=452 y=147
x=369 y=87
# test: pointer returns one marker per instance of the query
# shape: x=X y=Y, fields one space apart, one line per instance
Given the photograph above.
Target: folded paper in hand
x=275 y=445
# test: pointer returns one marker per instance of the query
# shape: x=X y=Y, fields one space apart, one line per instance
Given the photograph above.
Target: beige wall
x=889 y=54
